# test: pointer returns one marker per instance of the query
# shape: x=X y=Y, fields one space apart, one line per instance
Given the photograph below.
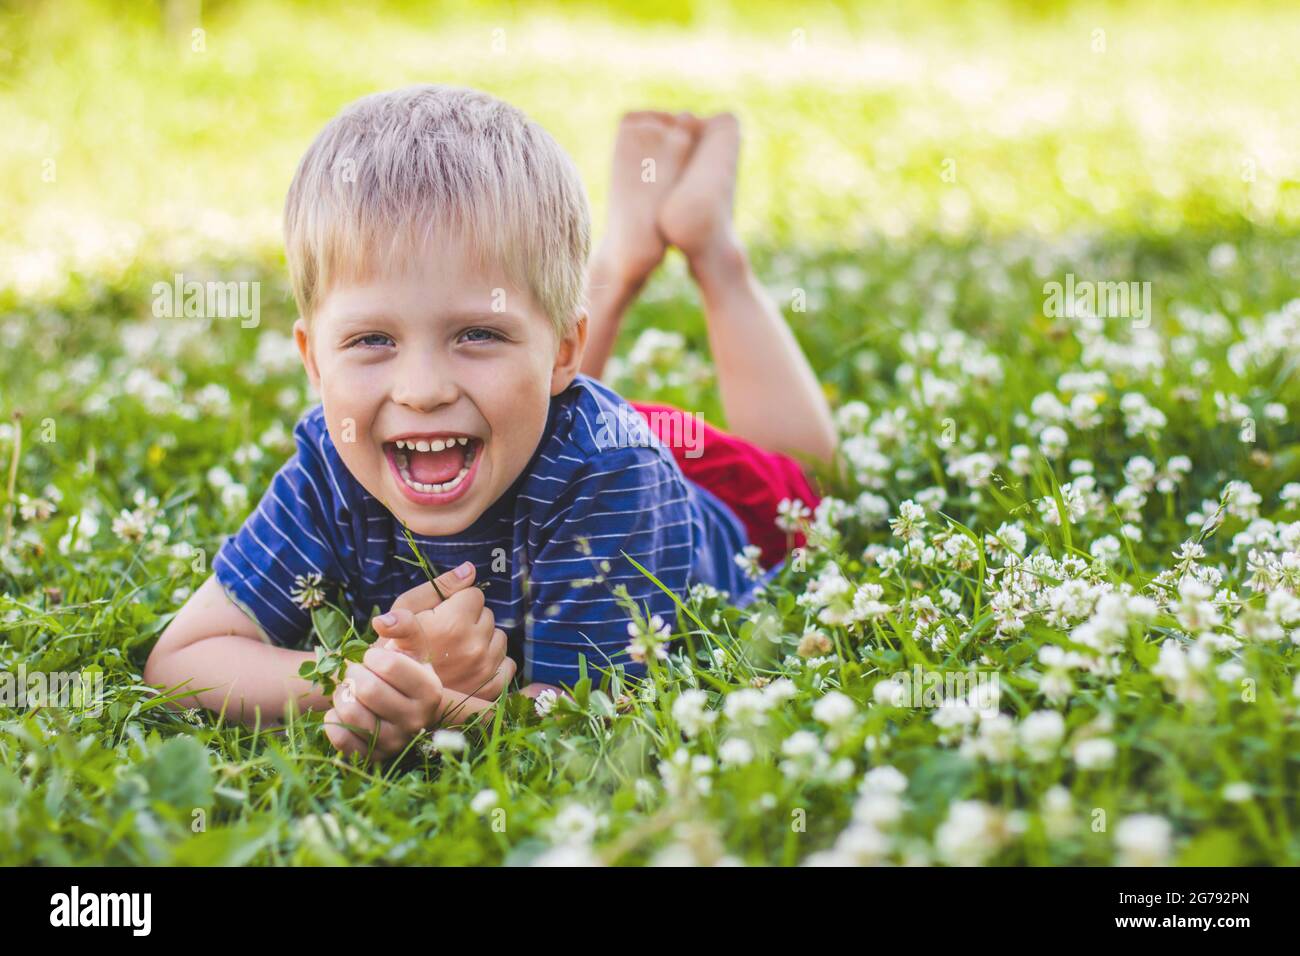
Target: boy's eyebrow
x=483 y=315
x=362 y=317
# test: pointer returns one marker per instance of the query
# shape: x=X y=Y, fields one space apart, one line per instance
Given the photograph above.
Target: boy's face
x=436 y=383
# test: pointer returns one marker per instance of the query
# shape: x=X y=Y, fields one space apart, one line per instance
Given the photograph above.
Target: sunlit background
x=166 y=130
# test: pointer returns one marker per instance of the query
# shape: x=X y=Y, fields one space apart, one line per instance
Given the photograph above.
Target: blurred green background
x=165 y=131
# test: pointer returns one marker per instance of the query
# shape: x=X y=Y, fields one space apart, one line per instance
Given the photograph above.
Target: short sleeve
x=631 y=502
x=285 y=558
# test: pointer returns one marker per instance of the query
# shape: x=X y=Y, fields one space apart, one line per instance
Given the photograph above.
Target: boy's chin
x=450 y=521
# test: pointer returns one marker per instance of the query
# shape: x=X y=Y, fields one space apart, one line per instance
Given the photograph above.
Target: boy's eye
x=481 y=335
x=371 y=340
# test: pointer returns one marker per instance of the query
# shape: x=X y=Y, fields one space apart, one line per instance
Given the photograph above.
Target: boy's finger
x=339 y=736
x=431 y=594
x=399 y=624
x=378 y=696
x=497 y=686
x=456 y=617
x=405 y=675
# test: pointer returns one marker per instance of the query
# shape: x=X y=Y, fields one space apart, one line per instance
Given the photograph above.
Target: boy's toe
x=689 y=122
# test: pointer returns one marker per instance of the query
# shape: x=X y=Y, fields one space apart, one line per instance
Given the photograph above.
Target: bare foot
x=649 y=152
x=696 y=215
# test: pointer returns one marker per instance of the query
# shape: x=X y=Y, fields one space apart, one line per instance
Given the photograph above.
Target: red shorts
x=747 y=479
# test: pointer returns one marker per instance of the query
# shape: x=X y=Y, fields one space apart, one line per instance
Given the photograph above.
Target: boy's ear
x=569 y=357
x=302 y=336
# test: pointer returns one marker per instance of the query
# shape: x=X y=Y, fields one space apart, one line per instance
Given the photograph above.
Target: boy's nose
x=422 y=386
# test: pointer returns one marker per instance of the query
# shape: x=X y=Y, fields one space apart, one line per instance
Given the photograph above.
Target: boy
x=437 y=241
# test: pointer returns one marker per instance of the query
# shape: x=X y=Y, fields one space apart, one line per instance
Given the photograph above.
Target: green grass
x=925 y=301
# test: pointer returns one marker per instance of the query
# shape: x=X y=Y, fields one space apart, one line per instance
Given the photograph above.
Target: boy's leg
x=769 y=392
x=649 y=152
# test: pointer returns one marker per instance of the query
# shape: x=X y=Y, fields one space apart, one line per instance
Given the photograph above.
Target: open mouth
x=434 y=469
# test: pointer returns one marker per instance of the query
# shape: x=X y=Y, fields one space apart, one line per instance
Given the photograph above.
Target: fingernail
x=388 y=620
x=463 y=570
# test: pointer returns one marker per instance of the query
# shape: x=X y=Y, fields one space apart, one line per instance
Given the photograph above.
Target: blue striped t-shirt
x=619 y=491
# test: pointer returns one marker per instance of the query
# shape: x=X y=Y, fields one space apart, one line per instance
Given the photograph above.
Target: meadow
x=1091 y=519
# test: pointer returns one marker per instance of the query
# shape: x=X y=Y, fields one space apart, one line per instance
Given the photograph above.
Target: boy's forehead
x=445 y=271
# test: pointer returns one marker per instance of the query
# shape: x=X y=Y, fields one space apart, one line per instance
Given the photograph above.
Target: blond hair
x=394 y=169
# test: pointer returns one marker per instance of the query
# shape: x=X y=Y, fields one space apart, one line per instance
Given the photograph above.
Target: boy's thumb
x=457 y=579
x=432 y=593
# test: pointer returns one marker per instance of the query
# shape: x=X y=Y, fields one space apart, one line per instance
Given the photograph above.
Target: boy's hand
x=457 y=633
x=649 y=152
x=388 y=691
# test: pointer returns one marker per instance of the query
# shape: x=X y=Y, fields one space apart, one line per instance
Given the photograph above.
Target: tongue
x=436 y=467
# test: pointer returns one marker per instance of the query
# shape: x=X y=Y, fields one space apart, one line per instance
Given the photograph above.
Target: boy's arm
x=216 y=651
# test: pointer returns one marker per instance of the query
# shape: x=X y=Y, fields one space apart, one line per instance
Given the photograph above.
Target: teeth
x=403 y=464
x=435 y=444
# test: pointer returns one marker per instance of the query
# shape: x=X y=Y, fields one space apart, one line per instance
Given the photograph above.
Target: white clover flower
x=801 y=743
x=1283 y=607
x=878 y=809
x=910 y=520
x=851 y=418
x=1020 y=459
x=130 y=527
x=1144 y=840
x=1053 y=441
x=690 y=711
x=544 y=702
x=746 y=706
x=791 y=514
x=308 y=590
x=972 y=832
x=484 y=801
x=449 y=741
x=873 y=510
x=1096 y=753
x=1239 y=791
x=748 y=561
x=995 y=742
x=1058 y=812
x=1041 y=734
x=834 y=709
x=685 y=775
x=735 y=752
x=1290 y=495
x=575 y=824
x=780 y=690
x=883 y=779
x=1106 y=549
x=234 y=497
x=890 y=692
x=649 y=639
x=888 y=559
